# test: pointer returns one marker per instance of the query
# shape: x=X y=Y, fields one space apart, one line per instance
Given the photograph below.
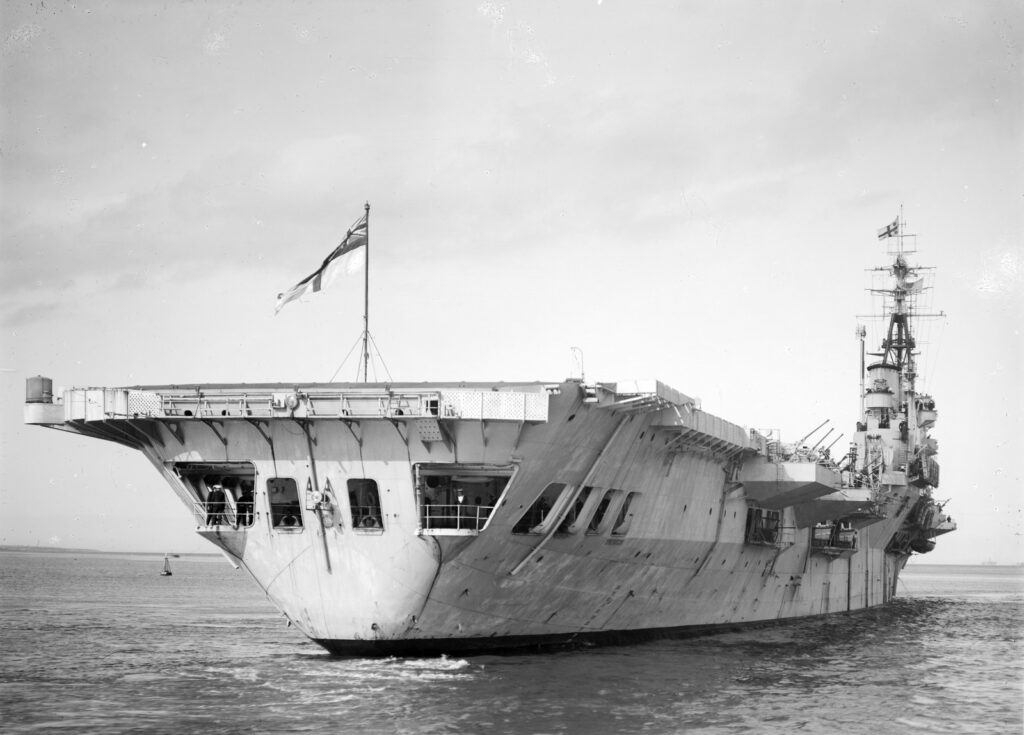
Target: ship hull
x=648 y=532
x=548 y=642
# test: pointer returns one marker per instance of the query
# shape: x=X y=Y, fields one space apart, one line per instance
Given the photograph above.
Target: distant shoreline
x=68 y=550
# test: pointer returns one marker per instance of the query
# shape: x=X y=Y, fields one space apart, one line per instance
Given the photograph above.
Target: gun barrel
x=805 y=436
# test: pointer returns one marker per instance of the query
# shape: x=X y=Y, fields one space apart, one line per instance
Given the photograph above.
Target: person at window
x=245 y=504
x=291 y=518
x=215 y=506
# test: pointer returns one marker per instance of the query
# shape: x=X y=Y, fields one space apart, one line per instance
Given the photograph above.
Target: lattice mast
x=899 y=345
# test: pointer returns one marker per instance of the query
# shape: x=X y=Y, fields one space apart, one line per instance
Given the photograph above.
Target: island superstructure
x=395 y=518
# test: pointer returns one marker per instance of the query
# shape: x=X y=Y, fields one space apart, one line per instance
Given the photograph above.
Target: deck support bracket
x=305 y=425
x=519 y=435
x=150 y=430
x=352 y=425
x=175 y=428
x=131 y=437
x=265 y=434
x=398 y=428
x=213 y=428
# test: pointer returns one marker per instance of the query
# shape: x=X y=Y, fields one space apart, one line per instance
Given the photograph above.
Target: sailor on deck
x=215 y=506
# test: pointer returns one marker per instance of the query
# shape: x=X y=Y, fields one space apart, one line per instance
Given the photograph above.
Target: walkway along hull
x=450 y=517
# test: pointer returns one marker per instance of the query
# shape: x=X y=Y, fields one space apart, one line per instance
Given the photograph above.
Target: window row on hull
x=225 y=494
x=451 y=499
x=590 y=510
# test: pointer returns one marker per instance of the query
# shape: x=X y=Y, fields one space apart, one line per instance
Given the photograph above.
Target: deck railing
x=217 y=403
x=455 y=517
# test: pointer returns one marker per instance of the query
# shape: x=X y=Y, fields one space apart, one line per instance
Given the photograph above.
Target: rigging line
x=373 y=361
x=358 y=340
x=926 y=329
x=935 y=356
x=381 y=358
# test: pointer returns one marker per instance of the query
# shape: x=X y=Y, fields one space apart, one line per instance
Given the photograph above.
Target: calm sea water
x=101 y=643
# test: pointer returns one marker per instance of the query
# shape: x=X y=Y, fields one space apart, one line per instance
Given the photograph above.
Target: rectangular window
x=222 y=492
x=364 y=500
x=832 y=535
x=458 y=497
x=283 y=494
x=763 y=526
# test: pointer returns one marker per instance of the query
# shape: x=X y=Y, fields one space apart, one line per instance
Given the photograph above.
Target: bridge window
x=364 y=500
x=285 y=513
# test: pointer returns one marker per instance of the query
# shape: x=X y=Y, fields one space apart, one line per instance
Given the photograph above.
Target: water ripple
x=105 y=645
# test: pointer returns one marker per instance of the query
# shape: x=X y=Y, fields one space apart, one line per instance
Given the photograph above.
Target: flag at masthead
x=316 y=281
x=890 y=230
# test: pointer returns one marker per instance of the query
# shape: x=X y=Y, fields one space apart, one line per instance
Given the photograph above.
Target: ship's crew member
x=245 y=503
x=215 y=506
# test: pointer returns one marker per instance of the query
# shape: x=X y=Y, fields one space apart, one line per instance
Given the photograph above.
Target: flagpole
x=899 y=231
x=366 y=300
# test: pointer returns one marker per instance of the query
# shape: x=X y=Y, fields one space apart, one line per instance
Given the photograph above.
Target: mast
x=366 y=300
x=898 y=346
x=905 y=345
x=862 y=333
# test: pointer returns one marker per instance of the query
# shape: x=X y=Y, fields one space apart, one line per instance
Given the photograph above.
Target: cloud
x=245 y=209
x=25 y=315
x=21 y=37
x=1002 y=274
x=520 y=38
x=215 y=43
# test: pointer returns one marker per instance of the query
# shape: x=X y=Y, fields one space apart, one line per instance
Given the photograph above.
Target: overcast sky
x=684 y=191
